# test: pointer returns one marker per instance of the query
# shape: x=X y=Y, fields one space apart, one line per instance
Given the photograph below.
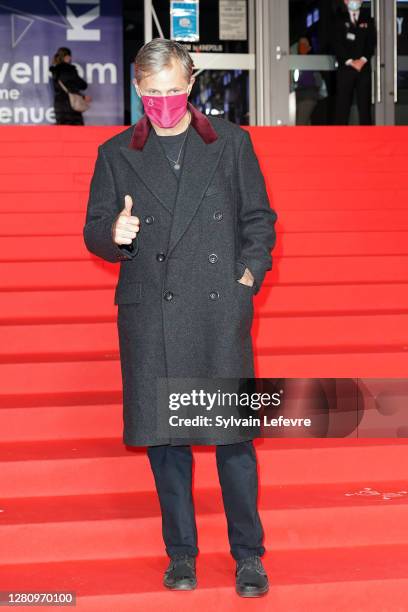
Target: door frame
x=390 y=60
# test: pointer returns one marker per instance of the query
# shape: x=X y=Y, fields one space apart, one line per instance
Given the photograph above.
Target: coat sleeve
x=371 y=40
x=72 y=81
x=256 y=218
x=102 y=210
x=339 y=42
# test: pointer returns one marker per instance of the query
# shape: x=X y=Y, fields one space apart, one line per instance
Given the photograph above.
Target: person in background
x=307 y=87
x=355 y=39
x=62 y=69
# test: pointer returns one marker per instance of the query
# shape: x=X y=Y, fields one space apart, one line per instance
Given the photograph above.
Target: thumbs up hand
x=126 y=226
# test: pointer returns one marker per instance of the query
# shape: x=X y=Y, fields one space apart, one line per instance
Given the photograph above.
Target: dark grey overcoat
x=181 y=310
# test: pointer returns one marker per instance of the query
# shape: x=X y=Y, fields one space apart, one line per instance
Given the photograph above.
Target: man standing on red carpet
x=179 y=199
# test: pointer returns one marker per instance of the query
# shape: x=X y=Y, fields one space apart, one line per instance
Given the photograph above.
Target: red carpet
x=78 y=508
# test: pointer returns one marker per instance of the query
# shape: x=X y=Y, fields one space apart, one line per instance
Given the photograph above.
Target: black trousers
x=70 y=117
x=237 y=473
x=348 y=81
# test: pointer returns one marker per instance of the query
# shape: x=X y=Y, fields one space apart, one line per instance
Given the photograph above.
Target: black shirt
x=171 y=148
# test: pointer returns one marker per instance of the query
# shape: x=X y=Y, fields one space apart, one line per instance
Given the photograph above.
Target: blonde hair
x=157 y=54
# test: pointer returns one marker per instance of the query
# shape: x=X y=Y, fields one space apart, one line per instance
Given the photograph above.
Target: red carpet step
x=78 y=510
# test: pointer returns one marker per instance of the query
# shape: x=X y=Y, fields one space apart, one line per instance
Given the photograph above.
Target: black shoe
x=250 y=577
x=181 y=573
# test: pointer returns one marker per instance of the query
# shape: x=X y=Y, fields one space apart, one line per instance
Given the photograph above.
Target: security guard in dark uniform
x=355 y=39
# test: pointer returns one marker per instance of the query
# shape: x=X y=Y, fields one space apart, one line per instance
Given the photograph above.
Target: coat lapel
x=182 y=197
x=153 y=169
x=199 y=165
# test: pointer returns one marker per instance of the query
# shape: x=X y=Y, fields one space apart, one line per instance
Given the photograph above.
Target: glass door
x=312 y=63
x=303 y=85
x=224 y=56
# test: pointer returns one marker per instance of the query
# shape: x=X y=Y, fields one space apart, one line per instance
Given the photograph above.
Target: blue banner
x=30 y=34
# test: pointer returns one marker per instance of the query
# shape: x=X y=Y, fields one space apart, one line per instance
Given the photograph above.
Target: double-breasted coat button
x=218 y=215
x=160 y=257
x=214 y=295
x=213 y=258
x=168 y=295
x=149 y=219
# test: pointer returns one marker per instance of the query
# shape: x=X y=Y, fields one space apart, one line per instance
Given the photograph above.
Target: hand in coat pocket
x=247 y=278
x=126 y=226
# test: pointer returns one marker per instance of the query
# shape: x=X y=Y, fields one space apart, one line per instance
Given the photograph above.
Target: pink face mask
x=166 y=111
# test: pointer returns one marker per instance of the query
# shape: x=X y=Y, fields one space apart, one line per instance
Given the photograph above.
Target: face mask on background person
x=166 y=111
x=355 y=5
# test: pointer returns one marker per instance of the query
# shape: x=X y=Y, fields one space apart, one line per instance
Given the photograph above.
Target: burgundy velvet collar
x=198 y=120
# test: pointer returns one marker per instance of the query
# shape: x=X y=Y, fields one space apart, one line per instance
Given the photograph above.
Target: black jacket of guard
x=364 y=43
